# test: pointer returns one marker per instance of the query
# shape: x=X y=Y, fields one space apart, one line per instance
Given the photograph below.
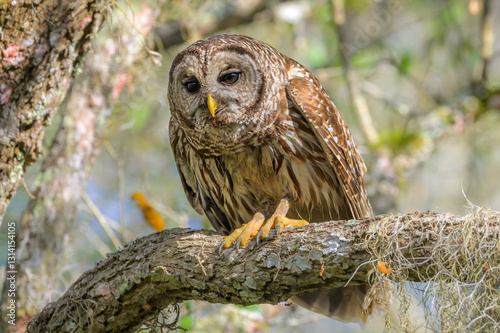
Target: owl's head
x=220 y=85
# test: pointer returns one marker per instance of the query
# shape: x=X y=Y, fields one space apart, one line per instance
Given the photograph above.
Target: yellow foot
x=256 y=226
x=278 y=222
x=243 y=234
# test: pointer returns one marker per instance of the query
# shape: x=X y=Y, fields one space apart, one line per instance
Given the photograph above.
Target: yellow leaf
x=383 y=269
x=151 y=215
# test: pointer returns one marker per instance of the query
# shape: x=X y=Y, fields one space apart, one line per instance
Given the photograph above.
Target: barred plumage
x=275 y=137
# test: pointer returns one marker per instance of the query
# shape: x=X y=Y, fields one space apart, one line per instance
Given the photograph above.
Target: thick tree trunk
x=47 y=223
x=42 y=45
x=131 y=286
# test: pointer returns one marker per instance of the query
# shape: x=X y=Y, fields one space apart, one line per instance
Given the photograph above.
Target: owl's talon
x=258 y=236
x=278 y=229
x=221 y=249
x=238 y=242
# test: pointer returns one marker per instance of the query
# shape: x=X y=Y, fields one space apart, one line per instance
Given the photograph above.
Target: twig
x=121 y=187
x=357 y=99
x=487 y=38
x=30 y=195
x=102 y=220
x=96 y=241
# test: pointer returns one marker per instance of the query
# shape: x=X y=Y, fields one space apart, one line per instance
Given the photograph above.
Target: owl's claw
x=258 y=237
x=278 y=229
x=239 y=240
x=221 y=248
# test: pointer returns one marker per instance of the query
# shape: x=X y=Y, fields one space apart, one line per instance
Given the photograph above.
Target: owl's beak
x=212 y=105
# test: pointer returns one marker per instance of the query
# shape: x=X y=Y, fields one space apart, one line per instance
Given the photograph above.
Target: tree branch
x=131 y=286
x=231 y=15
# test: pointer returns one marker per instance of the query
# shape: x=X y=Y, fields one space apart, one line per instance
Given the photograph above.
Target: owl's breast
x=291 y=164
x=242 y=184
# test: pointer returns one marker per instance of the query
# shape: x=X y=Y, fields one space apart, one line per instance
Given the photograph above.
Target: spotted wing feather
x=311 y=99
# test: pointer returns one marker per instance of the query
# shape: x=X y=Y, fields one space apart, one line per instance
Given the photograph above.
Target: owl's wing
x=311 y=99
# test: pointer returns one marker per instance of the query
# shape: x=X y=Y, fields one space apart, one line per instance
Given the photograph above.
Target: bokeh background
x=417 y=82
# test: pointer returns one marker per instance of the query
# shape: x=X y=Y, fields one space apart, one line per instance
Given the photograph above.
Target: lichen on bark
x=40 y=48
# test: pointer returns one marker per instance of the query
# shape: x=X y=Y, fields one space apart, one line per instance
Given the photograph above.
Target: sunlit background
x=430 y=83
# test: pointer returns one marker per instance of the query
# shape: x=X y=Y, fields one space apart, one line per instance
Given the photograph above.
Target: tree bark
x=131 y=286
x=48 y=221
x=42 y=45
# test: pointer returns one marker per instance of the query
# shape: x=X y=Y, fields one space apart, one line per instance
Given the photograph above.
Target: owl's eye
x=192 y=86
x=230 y=78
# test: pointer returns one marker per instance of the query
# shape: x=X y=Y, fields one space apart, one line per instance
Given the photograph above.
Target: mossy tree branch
x=131 y=286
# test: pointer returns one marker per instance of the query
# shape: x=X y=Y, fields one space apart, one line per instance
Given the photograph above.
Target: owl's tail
x=351 y=304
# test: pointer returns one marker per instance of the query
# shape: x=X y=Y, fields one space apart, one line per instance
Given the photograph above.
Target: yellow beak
x=212 y=105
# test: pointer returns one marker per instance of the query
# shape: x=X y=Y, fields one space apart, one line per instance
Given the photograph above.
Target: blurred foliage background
x=418 y=83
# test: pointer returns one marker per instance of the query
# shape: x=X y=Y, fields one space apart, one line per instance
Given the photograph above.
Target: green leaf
x=365 y=59
x=404 y=64
x=317 y=54
x=402 y=140
x=323 y=14
x=254 y=307
x=186 y=322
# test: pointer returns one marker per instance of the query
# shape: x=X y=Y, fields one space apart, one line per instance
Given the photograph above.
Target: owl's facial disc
x=225 y=92
x=221 y=95
x=217 y=93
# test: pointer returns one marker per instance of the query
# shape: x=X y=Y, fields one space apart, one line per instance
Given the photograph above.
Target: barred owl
x=259 y=145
